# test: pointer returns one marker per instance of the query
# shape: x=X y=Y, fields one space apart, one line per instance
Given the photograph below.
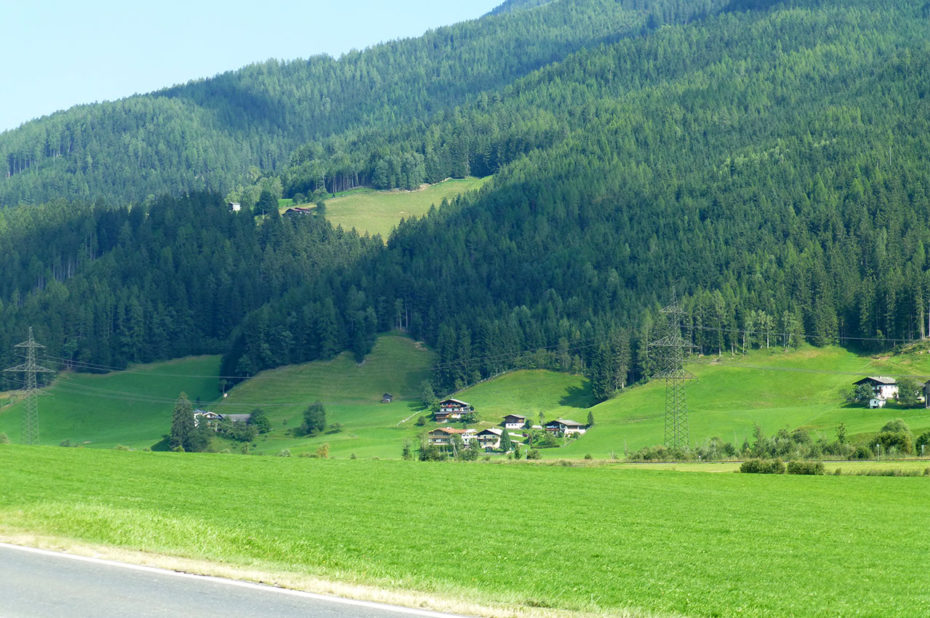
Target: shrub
x=922 y=441
x=533 y=454
x=284 y=453
x=861 y=452
x=588 y=456
x=260 y=421
x=899 y=441
x=805 y=467
x=4 y=439
x=762 y=466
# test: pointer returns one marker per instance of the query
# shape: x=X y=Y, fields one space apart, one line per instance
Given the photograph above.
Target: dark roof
x=877 y=380
x=515 y=416
x=459 y=401
x=566 y=422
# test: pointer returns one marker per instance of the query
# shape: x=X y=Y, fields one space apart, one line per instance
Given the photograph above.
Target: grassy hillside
x=530 y=393
x=774 y=389
x=351 y=393
x=132 y=407
x=378 y=212
x=597 y=539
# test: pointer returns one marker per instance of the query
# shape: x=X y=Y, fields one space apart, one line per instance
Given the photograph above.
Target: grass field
x=132 y=408
x=595 y=539
x=378 y=212
x=351 y=393
x=776 y=389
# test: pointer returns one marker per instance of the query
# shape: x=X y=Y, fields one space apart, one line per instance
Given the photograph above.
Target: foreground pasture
x=596 y=539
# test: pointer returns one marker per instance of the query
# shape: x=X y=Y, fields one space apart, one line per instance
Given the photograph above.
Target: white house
x=514 y=421
x=564 y=427
x=883 y=388
x=452 y=410
x=490 y=439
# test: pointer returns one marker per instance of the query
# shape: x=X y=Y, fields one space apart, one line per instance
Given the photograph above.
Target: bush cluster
x=762 y=466
x=805 y=467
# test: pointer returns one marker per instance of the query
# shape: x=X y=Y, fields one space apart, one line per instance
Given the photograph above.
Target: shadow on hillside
x=578 y=397
x=161 y=445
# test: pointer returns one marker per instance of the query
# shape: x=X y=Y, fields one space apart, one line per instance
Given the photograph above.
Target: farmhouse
x=452 y=410
x=236 y=418
x=883 y=389
x=298 y=210
x=212 y=419
x=564 y=427
x=490 y=439
x=387 y=398
x=514 y=421
x=444 y=436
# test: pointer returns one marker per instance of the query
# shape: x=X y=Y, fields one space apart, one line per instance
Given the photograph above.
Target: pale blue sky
x=59 y=53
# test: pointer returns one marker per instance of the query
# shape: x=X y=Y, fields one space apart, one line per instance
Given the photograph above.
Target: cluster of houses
x=490 y=439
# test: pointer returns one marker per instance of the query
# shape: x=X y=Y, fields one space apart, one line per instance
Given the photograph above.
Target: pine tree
x=506 y=442
x=182 y=424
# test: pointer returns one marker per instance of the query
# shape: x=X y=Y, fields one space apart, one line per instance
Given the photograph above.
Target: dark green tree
x=506 y=444
x=314 y=420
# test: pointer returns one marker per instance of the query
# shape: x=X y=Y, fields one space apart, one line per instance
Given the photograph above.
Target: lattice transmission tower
x=671 y=368
x=30 y=386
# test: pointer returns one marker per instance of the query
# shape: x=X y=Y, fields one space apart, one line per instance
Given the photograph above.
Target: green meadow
x=131 y=408
x=727 y=398
x=595 y=539
x=378 y=212
x=351 y=393
x=774 y=389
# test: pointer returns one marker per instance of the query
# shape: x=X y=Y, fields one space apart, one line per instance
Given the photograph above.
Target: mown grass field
x=595 y=539
x=378 y=212
x=132 y=408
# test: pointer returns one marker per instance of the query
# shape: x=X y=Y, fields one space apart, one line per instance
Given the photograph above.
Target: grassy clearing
x=351 y=393
x=378 y=212
x=132 y=407
x=803 y=388
x=596 y=539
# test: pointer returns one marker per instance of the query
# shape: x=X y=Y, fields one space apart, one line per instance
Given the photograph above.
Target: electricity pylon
x=672 y=369
x=30 y=369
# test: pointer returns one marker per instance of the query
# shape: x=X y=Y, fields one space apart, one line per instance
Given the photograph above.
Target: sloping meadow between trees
x=597 y=539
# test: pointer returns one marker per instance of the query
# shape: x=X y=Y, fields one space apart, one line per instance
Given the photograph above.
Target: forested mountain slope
x=768 y=164
x=209 y=134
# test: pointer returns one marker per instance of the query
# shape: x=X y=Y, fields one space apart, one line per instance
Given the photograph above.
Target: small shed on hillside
x=387 y=398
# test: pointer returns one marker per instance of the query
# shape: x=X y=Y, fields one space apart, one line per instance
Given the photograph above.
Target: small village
x=492 y=439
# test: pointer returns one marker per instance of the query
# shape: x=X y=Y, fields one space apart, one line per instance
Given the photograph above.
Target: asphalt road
x=36 y=583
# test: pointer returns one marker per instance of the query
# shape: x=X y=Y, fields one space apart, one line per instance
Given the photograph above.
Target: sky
x=60 y=53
